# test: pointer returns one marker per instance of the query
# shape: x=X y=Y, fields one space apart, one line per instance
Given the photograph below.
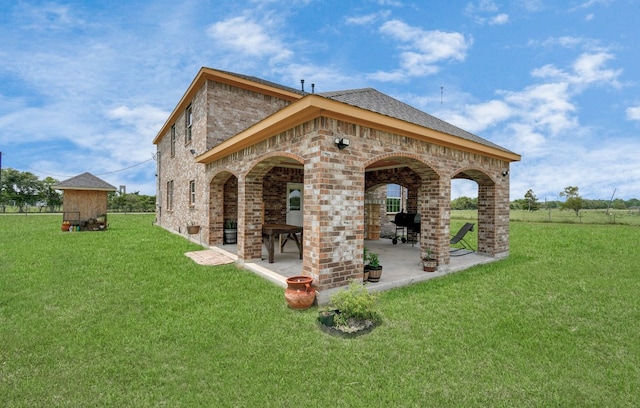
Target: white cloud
x=250 y=38
x=500 y=19
x=394 y=3
x=633 y=113
x=484 y=6
x=589 y=68
x=486 y=11
x=476 y=118
x=423 y=50
x=143 y=120
x=47 y=17
x=591 y=3
x=368 y=19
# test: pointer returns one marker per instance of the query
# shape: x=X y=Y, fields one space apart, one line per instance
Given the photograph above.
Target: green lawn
x=626 y=217
x=123 y=319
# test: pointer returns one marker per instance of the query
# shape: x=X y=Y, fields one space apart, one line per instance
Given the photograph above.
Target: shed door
x=294 y=203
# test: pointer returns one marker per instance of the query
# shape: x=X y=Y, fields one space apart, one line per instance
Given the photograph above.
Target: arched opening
x=422 y=211
x=223 y=207
x=486 y=207
x=264 y=200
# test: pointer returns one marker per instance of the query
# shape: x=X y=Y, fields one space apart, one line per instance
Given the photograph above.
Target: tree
x=574 y=201
x=23 y=188
x=532 y=201
x=464 y=203
x=53 y=198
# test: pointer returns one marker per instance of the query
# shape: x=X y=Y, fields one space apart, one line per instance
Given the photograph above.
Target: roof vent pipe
x=313 y=88
x=302 y=82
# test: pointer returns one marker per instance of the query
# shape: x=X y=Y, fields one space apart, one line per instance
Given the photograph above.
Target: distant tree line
x=573 y=201
x=22 y=190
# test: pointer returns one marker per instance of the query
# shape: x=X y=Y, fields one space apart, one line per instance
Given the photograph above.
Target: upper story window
x=170 y=195
x=192 y=192
x=394 y=198
x=173 y=140
x=188 y=123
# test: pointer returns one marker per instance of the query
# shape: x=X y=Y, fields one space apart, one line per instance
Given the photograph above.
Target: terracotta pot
x=65 y=227
x=299 y=293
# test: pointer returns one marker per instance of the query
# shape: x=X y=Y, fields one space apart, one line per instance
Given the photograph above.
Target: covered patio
x=401 y=264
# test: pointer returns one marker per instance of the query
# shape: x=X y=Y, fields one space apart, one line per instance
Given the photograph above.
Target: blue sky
x=85 y=86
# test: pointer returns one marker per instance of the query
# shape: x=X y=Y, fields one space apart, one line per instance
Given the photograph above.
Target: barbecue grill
x=408 y=224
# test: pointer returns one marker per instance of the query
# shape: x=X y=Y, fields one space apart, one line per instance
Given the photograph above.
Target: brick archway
x=493 y=209
x=252 y=211
x=223 y=203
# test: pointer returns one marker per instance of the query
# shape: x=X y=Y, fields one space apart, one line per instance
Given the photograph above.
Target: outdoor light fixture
x=341 y=143
x=193 y=152
x=505 y=173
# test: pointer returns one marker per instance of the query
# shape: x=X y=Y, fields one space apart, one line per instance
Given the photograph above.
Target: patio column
x=249 y=218
x=434 y=202
x=333 y=218
x=493 y=218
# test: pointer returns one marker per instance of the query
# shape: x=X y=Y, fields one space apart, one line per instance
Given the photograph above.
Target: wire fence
x=620 y=217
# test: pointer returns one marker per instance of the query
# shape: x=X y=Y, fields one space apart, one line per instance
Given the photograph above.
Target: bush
x=354 y=303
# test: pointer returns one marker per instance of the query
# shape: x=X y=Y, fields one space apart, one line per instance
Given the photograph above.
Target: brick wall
x=219 y=112
x=335 y=182
x=252 y=183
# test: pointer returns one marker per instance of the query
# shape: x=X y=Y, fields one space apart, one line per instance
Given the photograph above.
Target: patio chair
x=459 y=237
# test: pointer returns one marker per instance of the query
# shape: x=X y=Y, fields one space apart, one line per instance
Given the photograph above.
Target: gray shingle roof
x=84 y=181
x=375 y=101
x=264 y=82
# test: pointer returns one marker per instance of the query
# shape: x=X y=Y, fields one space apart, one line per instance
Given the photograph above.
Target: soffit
x=313 y=106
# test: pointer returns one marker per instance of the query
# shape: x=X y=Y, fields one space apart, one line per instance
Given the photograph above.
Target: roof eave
x=83 y=188
x=223 y=77
x=312 y=106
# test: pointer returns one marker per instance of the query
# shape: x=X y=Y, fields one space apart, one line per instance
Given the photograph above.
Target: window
x=188 y=122
x=394 y=198
x=192 y=192
x=173 y=140
x=170 y=195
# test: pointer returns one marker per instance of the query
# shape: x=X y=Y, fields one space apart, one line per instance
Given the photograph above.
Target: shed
x=85 y=202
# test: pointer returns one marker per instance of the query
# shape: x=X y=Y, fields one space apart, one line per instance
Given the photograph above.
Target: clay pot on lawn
x=299 y=292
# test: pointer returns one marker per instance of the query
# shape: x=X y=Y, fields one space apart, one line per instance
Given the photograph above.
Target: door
x=294 y=203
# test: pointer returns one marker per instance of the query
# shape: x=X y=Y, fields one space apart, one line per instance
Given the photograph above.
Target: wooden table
x=271 y=231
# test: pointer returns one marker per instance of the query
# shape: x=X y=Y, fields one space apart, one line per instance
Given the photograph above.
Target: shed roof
x=85 y=181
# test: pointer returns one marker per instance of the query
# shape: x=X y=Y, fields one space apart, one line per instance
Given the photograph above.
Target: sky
x=86 y=85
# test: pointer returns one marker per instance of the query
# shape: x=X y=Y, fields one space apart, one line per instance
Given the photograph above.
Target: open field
x=625 y=217
x=123 y=319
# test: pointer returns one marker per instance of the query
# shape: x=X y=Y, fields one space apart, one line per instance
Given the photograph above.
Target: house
x=239 y=147
x=85 y=201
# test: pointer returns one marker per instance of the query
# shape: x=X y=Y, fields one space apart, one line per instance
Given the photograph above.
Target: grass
x=122 y=318
x=625 y=217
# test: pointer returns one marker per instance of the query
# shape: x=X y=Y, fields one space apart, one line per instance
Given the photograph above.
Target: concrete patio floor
x=401 y=264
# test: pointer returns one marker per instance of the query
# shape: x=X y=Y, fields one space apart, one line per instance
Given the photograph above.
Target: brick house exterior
x=233 y=143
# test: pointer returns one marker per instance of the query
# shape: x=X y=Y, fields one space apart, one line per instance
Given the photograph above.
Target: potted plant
x=230 y=231
x=365 y=260
x=192 y=228
x=327 y=317
x=351 y=311
x=375 y=269
x=429 y=264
